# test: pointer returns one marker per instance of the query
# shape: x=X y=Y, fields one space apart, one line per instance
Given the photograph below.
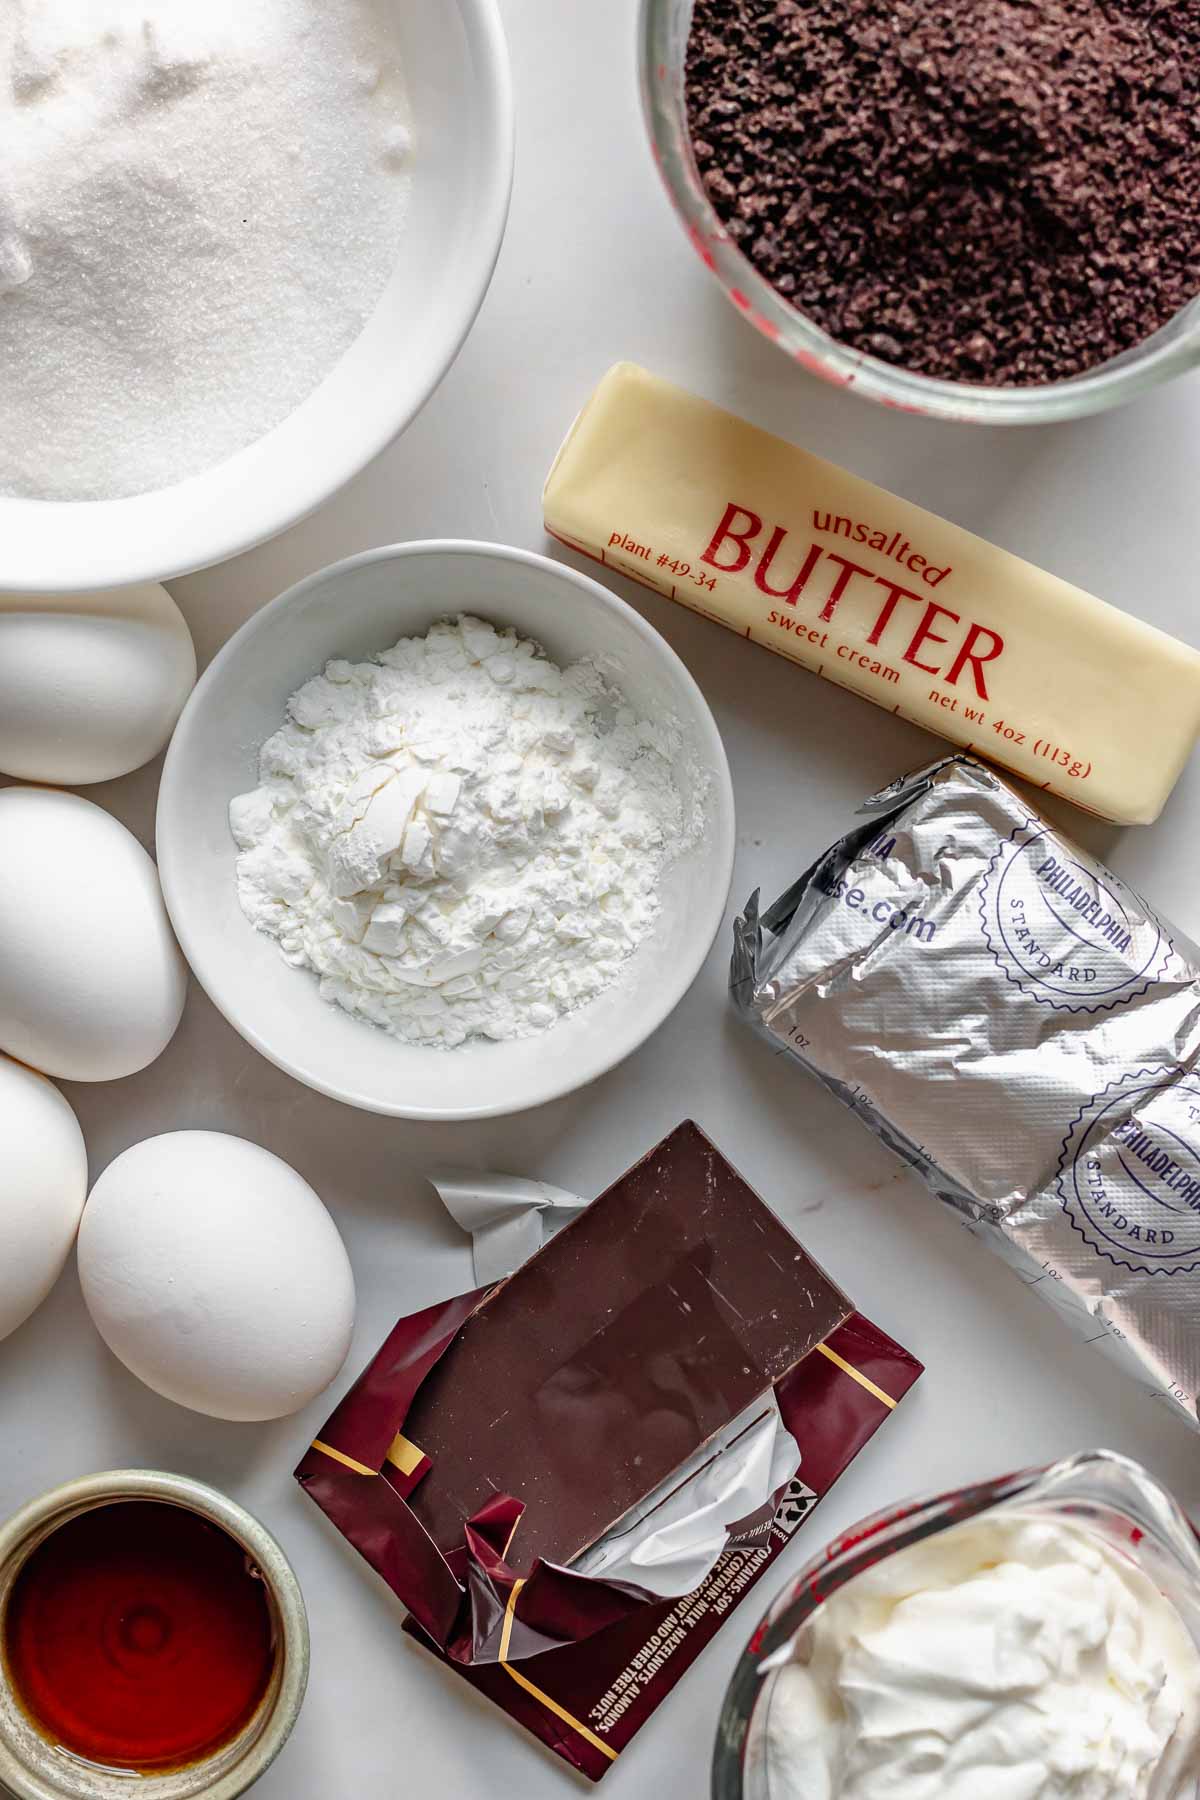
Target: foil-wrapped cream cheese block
x=1019 y=1026
x=876 y=594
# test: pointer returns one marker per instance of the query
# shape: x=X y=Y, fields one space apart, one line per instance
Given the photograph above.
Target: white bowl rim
x=313 y=486
x=671 y=991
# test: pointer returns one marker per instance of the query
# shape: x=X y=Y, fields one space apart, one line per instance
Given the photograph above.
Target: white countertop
x=595 y=268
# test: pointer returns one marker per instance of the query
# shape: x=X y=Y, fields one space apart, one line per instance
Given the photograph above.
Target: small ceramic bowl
x=352 y=610
x=33 y=1768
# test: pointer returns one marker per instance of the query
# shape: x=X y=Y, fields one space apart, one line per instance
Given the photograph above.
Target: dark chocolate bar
x=642 y=1329
x=587 y=1700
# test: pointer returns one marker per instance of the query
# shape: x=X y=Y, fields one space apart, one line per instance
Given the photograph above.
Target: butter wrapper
x=1020 y=1027
x=869 y=591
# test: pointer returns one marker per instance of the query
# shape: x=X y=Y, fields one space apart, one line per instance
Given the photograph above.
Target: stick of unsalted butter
x=870 y=591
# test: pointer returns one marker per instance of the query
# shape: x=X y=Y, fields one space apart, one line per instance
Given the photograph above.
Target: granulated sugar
x=1003 y=191
x=201 y=202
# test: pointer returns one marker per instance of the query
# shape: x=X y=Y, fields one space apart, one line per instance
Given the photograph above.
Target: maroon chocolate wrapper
x=587 y=1700
x=583 y=1661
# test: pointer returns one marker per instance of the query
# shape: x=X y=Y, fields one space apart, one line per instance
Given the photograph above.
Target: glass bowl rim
x=1156 y=359
x=1077 y=1481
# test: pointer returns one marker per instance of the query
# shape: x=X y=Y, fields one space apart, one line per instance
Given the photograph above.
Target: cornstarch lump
x=459 y=838
x=200 y=205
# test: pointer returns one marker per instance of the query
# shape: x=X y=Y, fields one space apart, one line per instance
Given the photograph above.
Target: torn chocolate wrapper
x=1019 y=1026
x=673 y=1538
x=570 y=1477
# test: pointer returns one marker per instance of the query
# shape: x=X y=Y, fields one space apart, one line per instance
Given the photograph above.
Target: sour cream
x=1009 y=1658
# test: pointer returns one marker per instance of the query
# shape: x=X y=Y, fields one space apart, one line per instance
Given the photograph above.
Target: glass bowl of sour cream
x=1035 y=1634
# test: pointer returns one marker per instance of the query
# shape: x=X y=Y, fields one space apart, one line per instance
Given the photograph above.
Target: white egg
x=90 y=684
x=215 y=1274
x=43 y=1184
x=92 y=983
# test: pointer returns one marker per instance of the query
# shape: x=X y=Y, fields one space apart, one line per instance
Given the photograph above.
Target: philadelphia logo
x=1129 y=1174
x=1066 y=931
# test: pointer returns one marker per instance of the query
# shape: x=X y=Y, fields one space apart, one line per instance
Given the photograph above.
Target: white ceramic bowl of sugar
x=456 y=67
x=351 y=611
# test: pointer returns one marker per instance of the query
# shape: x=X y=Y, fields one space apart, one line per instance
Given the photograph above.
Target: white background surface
x=595 y=268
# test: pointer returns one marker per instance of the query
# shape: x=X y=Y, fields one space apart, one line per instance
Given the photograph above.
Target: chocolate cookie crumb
x=998 y=191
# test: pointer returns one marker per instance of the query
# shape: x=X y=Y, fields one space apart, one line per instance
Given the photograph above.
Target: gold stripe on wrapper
x=512 y=1534
x=560 y=1712
x=863 y=1381
x=404 y=1455
x=341 y=1457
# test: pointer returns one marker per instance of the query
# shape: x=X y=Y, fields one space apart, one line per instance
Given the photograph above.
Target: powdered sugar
x=459 y=837
x=201 y=202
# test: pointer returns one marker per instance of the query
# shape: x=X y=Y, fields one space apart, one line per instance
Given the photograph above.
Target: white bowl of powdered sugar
x=446 y=831
x=241 y=241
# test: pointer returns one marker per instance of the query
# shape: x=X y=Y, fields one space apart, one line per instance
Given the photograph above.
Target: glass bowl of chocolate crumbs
x=975 y=209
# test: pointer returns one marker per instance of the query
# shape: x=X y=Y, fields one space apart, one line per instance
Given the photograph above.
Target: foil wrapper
x=1024 y=1031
